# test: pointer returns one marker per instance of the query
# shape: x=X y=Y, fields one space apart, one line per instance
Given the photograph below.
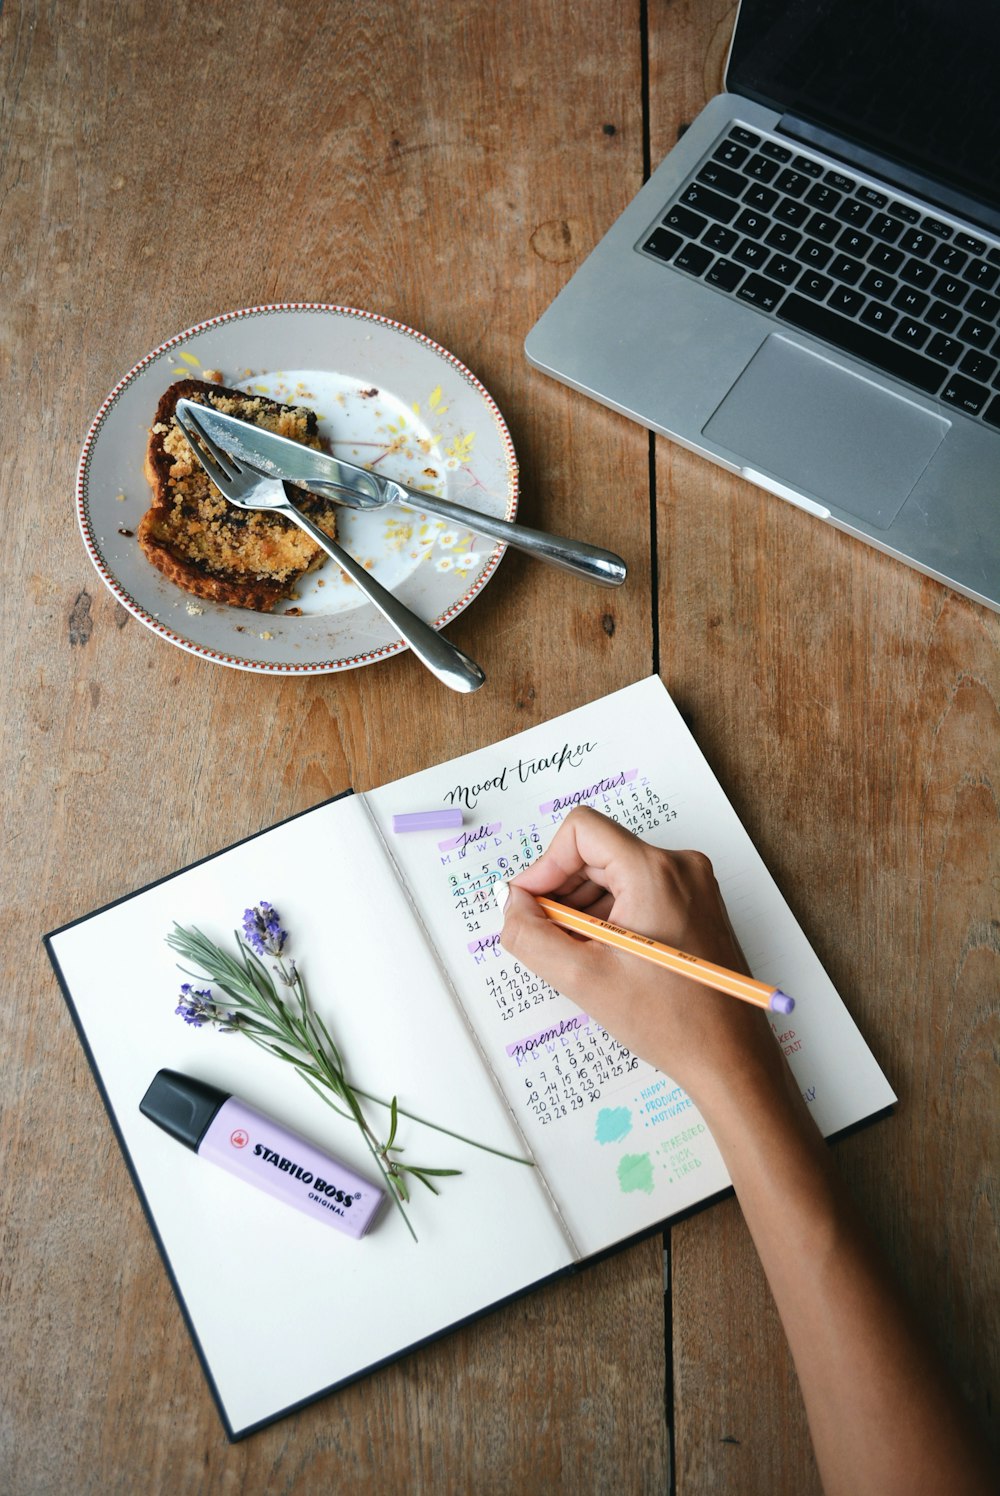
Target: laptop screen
x=912 y=80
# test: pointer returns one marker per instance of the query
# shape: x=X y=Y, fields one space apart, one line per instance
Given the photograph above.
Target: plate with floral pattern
x=388 y=398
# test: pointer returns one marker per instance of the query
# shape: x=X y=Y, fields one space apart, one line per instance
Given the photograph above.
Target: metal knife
x=358 y=488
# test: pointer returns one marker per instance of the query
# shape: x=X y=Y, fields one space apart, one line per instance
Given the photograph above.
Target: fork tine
x=221 y=461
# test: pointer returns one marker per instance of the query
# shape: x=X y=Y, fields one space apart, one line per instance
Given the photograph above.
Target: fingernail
x=501 y=893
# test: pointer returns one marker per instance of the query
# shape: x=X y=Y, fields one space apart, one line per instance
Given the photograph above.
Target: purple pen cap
x=781 y=1002
x=428 y=820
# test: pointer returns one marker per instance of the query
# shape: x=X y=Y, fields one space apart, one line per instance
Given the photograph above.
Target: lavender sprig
x=289 y=1027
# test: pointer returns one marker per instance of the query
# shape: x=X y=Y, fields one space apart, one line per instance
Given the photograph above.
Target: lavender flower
x=262 y=930
x=290 y=1028
x=197 y=1007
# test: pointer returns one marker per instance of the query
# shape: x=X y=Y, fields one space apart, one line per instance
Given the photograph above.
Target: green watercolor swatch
x=635 y=1172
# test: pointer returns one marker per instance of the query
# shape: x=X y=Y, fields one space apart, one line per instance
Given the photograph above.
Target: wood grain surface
x=449 y=165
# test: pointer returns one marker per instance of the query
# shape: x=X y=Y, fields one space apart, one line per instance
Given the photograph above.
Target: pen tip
x=501 y=893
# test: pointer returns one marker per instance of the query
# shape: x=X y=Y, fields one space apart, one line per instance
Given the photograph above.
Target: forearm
x=881 y=1417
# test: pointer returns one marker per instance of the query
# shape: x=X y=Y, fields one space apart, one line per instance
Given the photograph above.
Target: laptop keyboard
x=911 y=294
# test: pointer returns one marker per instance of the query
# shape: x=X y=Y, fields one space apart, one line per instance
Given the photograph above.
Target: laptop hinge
x=891 y=172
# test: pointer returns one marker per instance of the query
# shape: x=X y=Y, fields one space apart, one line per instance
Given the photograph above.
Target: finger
x=568 y=963
x=587 y=849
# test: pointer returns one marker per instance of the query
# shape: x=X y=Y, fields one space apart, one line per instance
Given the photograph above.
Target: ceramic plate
x=387 y=397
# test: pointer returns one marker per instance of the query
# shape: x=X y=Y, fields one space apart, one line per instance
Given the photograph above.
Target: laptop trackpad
x=837 y=436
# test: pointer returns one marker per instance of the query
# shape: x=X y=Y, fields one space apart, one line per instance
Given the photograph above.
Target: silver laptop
x=807 y=290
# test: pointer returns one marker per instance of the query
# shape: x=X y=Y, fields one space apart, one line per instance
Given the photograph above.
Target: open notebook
x=397 y=937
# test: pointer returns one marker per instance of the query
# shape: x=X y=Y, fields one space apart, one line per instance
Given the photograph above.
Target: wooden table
x=449 y=165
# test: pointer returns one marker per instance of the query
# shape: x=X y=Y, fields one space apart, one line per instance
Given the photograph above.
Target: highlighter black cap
x=182 y=1106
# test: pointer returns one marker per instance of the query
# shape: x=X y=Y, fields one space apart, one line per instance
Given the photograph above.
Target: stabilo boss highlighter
x=224 y=1130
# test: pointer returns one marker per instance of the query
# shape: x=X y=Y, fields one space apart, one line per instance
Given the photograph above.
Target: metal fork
x=246 y=490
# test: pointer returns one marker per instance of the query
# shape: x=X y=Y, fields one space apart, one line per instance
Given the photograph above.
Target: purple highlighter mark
x=523 y=1049
x=469 y=838
x=589 y=792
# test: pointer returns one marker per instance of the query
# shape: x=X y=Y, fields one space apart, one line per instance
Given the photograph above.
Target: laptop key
x=815 y=254
x=693 y=258
x=821 y=226
x=939 y=227
x=854 y=243
x=978 y=365
x=884 y=257
x=806 y=164
x=965 y=393
x=792 y=182
x=853 y=212
x=879 y=316
x=781 y=269
x=683 y=221
x=915 y=242
x=792 y=212
x=945 y=348
x=918 y=273
x=663 y=244
x=816 y=286
x=966 y=241
x=915 y=334
x=760 y=197
x=823 y=197
x=843 y=268
x=725 y=275
x=730 y=154
x=909 y=300
x=783 y=237
x=777 y=152
x=981 y=274
x=980 y=304
x=743 y=136
x=761 y=292
x=712 y=204
x=947 y=288
x=992 y=412
x=754 y=224
x=944 y=316
x=877 y=284
x=852 y=337
x=949 y=257
x=811 y=168
x=719 y=238
x=979 y=334
x=872 y=198
x=713 y=174
x=843 y=299
x=838 y=180
x=751 y=252
x=886 y=228
x=761 y=168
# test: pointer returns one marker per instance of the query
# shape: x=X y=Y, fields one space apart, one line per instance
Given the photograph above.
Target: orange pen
x=734 y=983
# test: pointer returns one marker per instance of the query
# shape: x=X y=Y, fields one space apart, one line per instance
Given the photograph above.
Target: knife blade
x=358 y=488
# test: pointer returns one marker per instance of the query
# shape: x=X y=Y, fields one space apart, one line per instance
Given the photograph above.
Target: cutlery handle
x=442 y=658
x=587 y=561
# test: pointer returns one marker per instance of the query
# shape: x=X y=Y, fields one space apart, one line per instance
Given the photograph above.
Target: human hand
x=693 y=1033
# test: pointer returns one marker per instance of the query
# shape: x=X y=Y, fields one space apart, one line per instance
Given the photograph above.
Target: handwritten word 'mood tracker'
x=520 y=773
